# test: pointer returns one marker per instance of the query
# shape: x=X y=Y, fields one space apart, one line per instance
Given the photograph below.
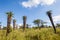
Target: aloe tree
x=9 y=18
x=37 y=22
x=14 y=24
x=24 y=22
x=50 y=17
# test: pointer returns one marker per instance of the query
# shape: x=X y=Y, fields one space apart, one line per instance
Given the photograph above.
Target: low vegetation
x=31 y=34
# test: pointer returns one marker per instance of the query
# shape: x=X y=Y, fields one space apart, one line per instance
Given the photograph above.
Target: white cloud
x=20 y=24
x=55 y=19
x=35 y=3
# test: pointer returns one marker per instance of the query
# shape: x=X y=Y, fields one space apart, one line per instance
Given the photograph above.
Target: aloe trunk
x=14 y=24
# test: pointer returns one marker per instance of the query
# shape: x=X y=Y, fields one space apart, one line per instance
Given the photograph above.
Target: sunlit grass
x=31 y=34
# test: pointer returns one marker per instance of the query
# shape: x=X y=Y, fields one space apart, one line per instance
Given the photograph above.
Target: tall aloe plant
x=50 y=17
x=9 y=18
x=14 y=24
x=24 y=22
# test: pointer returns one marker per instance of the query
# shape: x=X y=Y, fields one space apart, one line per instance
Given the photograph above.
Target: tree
x=9 y=18
x=4 y=28
x=27 y=25
x=37 y=22
x=24 y=22
x=58 y=25
x=14 y=24
x=42 y=23
x=50 y=17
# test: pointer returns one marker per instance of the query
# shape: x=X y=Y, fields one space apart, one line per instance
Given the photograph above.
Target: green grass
x=31 y=34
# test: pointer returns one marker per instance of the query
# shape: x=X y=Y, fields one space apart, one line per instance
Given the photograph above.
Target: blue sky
x=36 y=10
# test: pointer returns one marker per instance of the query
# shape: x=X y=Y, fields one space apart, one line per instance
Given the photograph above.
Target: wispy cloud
x=35 y=3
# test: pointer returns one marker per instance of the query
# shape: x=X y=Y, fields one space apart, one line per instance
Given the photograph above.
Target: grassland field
x=31 y=34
